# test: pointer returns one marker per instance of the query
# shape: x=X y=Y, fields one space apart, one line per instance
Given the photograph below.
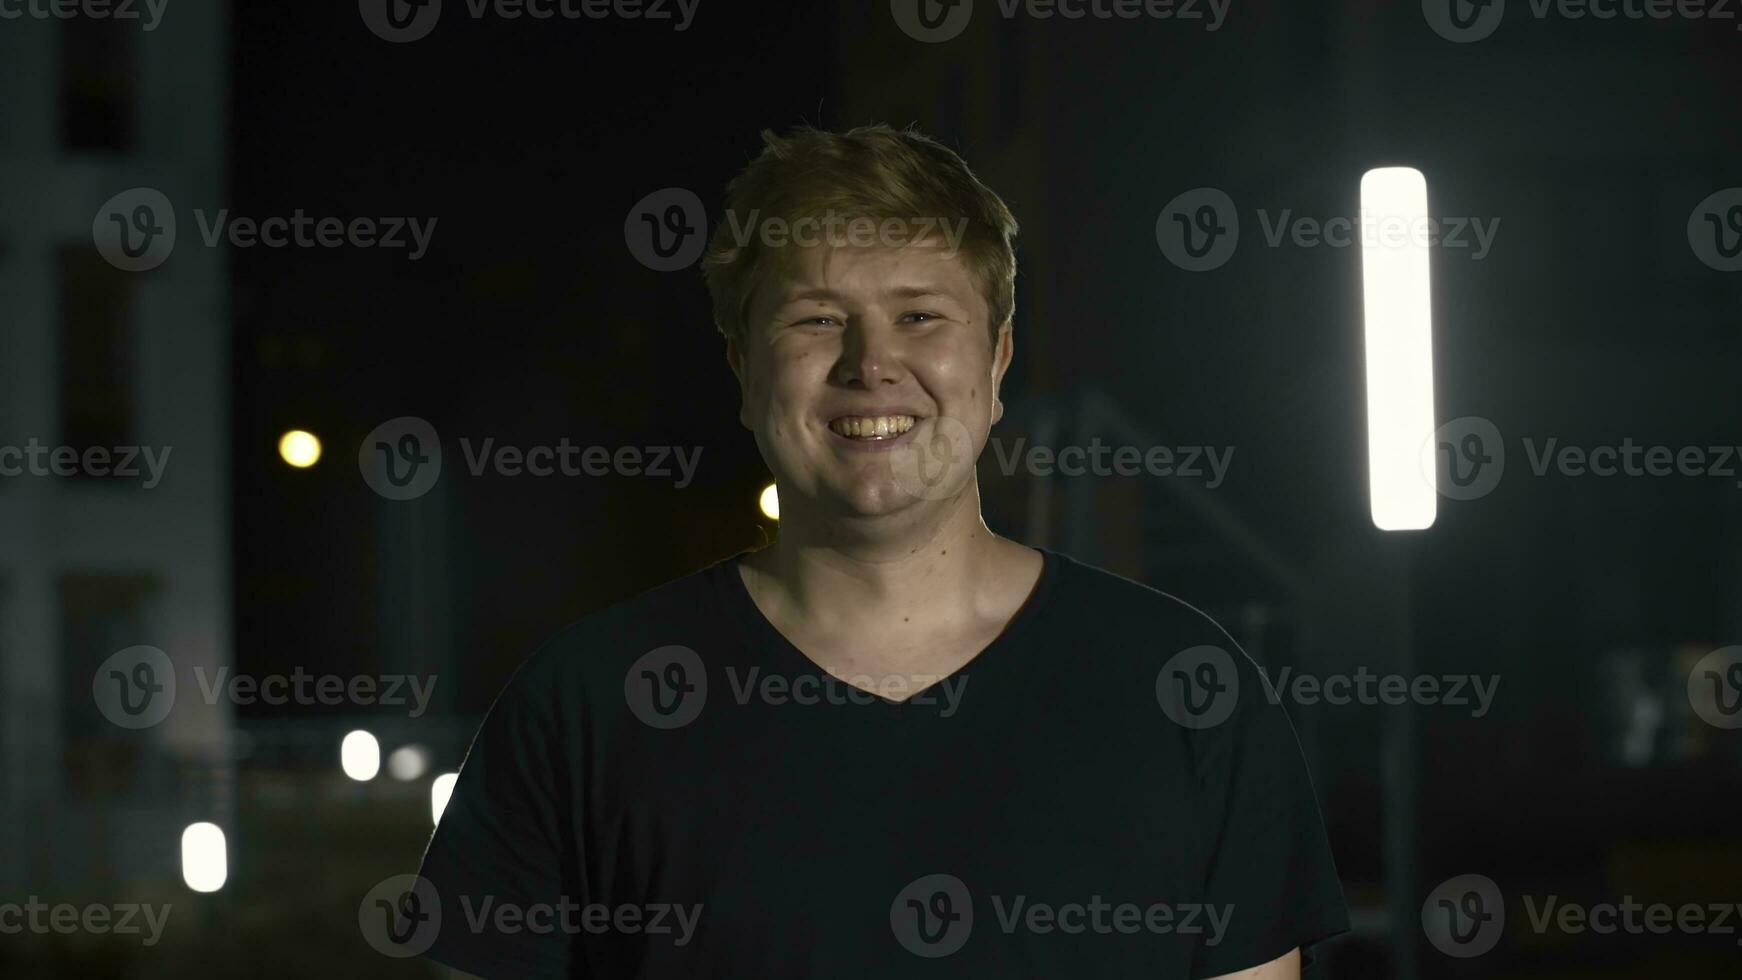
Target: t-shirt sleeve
x=1270 y=865
x=502 y=856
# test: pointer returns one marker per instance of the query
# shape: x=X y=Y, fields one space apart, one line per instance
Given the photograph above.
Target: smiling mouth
x=873 y=428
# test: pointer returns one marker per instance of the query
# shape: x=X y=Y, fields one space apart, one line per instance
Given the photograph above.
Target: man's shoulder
x=605 y=642
x=1093 y=590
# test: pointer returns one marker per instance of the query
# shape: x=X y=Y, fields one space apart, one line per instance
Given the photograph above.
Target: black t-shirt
x=669 y=788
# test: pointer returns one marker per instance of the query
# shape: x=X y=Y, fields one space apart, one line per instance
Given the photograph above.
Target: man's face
x=870 y=377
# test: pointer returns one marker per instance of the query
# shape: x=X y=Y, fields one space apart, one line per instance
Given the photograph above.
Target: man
x=892 y=743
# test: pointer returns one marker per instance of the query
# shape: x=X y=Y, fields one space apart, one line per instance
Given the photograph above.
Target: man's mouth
x=872 y=428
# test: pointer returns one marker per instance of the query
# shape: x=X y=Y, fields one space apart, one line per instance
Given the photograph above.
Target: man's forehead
x=906 y=273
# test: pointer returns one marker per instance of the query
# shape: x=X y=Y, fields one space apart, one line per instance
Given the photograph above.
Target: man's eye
x=915 y=316
x=821 y=318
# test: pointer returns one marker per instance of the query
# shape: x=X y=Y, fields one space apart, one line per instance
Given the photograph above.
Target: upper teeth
x=880 y=427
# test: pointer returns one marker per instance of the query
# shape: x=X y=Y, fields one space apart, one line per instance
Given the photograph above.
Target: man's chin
x=880 y=498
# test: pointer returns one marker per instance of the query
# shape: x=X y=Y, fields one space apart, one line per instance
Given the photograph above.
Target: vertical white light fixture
x=1399 y=326
x=205 y=863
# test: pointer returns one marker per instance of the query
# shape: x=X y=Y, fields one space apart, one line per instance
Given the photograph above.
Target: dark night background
x=529 y=320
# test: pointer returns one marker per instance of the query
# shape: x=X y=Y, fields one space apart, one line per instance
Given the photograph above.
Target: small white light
x=1399 y=324
x=439 y=793
x=360 y=756
x=300 y=448
x=205 y=863
x=770 y=502
x=408 y=762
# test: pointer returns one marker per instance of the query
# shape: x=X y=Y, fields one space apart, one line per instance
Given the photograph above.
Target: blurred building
x=92 y=355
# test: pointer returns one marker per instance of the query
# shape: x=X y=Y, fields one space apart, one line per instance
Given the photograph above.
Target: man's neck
x=840 y=580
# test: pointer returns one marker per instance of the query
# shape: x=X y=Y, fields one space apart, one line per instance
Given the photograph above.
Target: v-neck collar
x=783 y=656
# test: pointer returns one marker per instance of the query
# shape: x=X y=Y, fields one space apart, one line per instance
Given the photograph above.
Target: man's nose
x=870 y=354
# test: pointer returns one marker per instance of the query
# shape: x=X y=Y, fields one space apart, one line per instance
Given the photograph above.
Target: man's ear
x=1003 y=350
x=735 y=360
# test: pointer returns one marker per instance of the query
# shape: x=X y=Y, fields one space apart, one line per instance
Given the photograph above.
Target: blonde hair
x=874 y=173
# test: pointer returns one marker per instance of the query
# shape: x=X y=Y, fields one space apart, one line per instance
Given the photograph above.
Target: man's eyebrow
x=917 y=291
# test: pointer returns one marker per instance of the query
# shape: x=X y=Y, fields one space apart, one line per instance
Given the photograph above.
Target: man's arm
x=1284 y=967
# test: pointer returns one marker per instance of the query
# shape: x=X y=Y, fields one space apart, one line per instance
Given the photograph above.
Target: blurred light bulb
x=360 y=756
x=205 y=864
x=408 y=762
x=440 y=792
x=299 y=448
